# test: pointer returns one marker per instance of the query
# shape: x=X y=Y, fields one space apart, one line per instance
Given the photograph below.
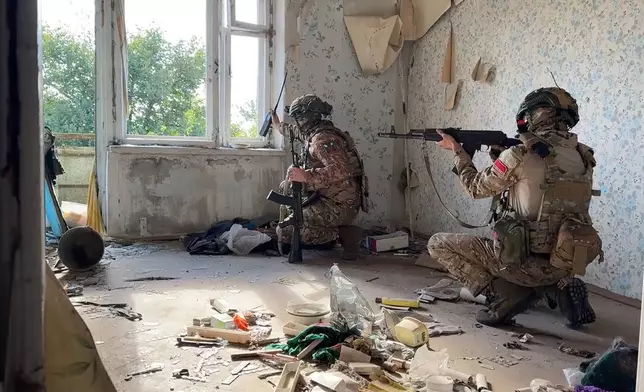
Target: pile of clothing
x=239 y=236
x=615 y=370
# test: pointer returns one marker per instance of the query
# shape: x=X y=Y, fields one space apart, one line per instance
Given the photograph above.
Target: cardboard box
x=387 y=242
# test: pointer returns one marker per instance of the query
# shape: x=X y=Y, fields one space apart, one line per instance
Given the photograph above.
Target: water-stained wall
x=173 y=191
x=596 y=51
x=363 y=106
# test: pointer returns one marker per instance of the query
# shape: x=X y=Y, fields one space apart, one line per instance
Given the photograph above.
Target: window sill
x=131 y=149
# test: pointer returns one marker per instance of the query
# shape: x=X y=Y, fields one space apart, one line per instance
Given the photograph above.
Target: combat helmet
x=309 y=108
x=556 y=98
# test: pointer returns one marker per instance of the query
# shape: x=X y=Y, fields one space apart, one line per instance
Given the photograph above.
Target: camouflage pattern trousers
x=472 y=261
x=320 y=222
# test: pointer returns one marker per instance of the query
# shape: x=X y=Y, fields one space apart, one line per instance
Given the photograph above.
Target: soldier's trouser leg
x=471 y=260
x=320 y=223
x=350 y=237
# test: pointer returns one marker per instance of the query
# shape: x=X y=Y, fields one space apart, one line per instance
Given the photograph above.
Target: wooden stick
x=232 y=336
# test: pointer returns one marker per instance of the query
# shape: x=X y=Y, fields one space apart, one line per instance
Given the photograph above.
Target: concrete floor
x=248 y=282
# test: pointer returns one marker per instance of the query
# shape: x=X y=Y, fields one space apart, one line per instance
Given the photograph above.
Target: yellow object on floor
x=94 y=217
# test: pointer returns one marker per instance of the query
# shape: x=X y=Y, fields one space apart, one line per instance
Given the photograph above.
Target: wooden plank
x=252 y=354
x=309 y=349
x=232 y=336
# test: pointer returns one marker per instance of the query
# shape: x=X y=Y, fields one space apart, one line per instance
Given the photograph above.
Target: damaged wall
x=596 y=52
x=363 y=106
x=172 y=191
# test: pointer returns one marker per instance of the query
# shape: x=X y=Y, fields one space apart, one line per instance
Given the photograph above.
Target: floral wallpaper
x=363 y=106
x=595 y=50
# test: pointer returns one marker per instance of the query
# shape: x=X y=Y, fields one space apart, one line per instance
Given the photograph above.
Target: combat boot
x=507 y=300
x=350 y=238
x=573 y=302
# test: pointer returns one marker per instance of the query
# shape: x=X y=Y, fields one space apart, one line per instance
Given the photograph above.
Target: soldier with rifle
x=334 y=187
x=542 y=233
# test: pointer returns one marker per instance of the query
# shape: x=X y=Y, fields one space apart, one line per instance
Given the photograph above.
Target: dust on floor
x=168 y=306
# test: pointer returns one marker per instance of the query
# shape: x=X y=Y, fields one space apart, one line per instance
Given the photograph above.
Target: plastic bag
x=349 y=308
x=573 y=376
x=242 y=241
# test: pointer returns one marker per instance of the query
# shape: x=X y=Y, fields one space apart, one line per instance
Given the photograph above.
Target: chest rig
x=356 y=167
x=565 y=195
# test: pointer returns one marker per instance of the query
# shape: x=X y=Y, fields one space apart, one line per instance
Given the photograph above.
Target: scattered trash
x=573 y=376
x=232 y=336
x=440 y=384
x=373 y=279
x=268 y=374
x=481 y=383
x=153 y=368
x=240 y=322
x=411 y=332
x=440 y=329
x=328 y=381
x=387 y=242
x=73 y=290
x=292 y=329
x=614 y=370
x=446 y=289
x=239 y=368
x=488 y=367
x=220 y=305
x=306 y=313
x=401 y=302
x=150 y=278
x=222 y=321
x=252 y=354
x=426 y=299
x=348 y=355
x=199 y=341
x=526 y=338
x=290 y=376
x=184 y=374
x=99 y=342
x=350 y=309
x=513 y=345
x=566 y=349
x=499 y=360
x=286 y=281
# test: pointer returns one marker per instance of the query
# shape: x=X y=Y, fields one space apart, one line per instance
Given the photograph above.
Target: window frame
x=220 y=27
x=263 y=31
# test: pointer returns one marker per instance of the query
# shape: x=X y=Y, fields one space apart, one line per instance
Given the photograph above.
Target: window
x=197 y=71
x=245 y=59
x=68 y=70
x=166 y=69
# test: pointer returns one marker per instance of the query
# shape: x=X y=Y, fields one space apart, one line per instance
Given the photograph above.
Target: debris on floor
x=566 y=349
x=153 y=368
x=514 y=345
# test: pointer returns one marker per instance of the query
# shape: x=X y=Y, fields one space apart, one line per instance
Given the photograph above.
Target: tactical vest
x=356 y=166
x=565 y=196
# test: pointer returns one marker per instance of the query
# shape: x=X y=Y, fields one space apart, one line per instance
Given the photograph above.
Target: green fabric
x=324 y=352
x=615 y=370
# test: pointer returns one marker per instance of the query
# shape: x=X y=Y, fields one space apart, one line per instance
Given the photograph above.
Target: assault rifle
x=470 y=140
x=295 y=202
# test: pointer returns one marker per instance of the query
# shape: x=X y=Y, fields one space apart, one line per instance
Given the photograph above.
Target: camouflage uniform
x=335 y=170
x=525 y=176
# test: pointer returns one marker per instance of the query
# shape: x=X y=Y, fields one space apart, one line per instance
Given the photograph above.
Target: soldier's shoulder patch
x=508 y=161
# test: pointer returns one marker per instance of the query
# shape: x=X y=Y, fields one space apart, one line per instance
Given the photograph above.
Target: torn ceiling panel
x=377 y=41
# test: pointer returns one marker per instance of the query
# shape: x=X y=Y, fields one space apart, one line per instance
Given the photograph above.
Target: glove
x=495 y=152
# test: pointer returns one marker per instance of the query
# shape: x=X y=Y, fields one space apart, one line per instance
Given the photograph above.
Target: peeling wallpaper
x=363 y=106
x=596 y=51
